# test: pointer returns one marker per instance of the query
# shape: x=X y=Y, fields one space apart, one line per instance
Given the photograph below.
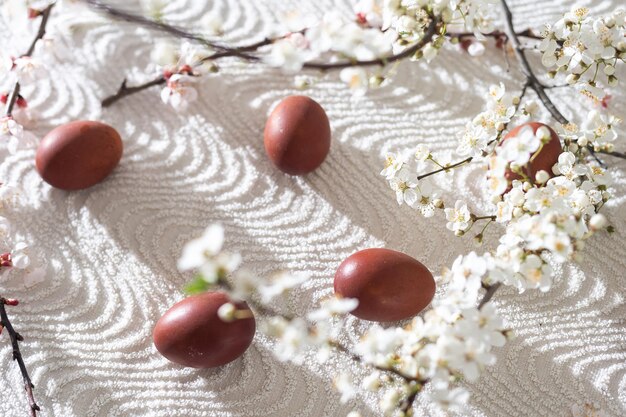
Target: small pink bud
x=186 y=69
x=361 y=19
x=11 y=302
x=5 y=260
x=167 y=74
x=33 y=13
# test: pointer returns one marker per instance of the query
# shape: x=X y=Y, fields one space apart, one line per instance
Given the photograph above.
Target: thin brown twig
x=4 y=318
x=533 y=81
x=17 y=356
x=243 y=51
x=15 y=93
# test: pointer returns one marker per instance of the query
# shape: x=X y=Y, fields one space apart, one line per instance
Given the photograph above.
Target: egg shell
x=78 y=154
x=297 y=135
x=192 y=334
x=389 y=285
x=547 y=157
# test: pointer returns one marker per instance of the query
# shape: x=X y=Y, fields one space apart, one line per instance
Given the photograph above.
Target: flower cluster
x=599 y=131
x=409 y=19
x=295 y=337
x=547 y=213
x=482 y=133
x=377 y=30
x=586 y=48
x=453 y=341
x=181 y=69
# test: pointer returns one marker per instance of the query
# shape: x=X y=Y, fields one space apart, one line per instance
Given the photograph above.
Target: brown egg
x=545 y=159
x=297 y=135
x=389 y=285
x=192 y=334
x=78 y=155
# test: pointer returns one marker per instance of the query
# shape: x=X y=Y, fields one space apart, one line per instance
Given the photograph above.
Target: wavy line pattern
x=110 y=251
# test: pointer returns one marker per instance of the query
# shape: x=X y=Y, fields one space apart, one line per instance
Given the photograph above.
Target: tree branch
x=4 y=318
x=15 y=93
x=533 y=82
x=17 y=355
x=124 y=90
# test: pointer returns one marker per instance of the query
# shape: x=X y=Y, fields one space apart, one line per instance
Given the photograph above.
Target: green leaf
x=197 y=286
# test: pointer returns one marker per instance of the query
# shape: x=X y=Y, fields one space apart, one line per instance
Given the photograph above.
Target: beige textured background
x=110 y=251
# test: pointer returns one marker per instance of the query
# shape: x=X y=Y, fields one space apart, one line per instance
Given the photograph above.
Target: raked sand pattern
x=110 y=251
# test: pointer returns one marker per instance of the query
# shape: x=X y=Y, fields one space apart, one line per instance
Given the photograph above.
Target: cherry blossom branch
x=496 y=34
x=532 y=79
x=535 y=84
x=243 y=52
x=4 y=318
x=446 y=168
x=164 y=27
x=124 y=90
x=17 y=355
x=15 y=93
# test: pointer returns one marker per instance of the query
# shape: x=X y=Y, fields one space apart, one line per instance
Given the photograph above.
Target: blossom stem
x=534 y=83
x=17 y=356
x=244 y=51
x=4 y=318
x=491 y=290
x=125 y=90
x=528 y=33
x=15 y=93
x=447 y=168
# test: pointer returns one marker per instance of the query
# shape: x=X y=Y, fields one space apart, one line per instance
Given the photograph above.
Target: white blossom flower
x=28 y=69
x=289 y=53
x=20 y=256
x=405 y=186
x=345 y=386
x=332 y=307
x=12 y=133
x=292 y=338
x=454 y=400
x=280 y=284
x=179 y=93
x=393 y=165
x=204 y=253
x=518 y=149
x=356 y=78
x=459 y=217
x=422 y=153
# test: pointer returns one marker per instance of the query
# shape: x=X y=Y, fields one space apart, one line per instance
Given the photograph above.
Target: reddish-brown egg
x=297 y=135
x=389 y=285
x=545 y=159
x=78 y=155
x=192 y=334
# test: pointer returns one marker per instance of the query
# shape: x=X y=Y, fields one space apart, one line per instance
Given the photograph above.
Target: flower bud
x=573 y=148
x=227 y=312
x=459 y=233
x=572 y=78
x=609 y=70
x=5 y=260
x=583 y=141
x=11 y=302
x=541 y=177
x=598 y=221
x=478 y=240
x=613 y=81
x=517 y=212
x=438 y=202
